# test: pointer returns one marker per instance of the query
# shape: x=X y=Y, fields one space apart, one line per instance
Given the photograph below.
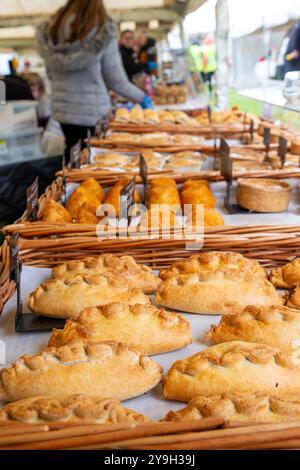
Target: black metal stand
x=232 y=208
x=28 y=322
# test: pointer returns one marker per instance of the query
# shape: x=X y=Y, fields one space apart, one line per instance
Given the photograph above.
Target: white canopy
x=19 y=13
x=245 y=16
x=19 y=10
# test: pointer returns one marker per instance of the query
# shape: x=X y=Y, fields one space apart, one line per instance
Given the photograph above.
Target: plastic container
x=20 y=146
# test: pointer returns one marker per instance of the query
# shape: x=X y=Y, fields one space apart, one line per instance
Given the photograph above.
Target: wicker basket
x=7 y=287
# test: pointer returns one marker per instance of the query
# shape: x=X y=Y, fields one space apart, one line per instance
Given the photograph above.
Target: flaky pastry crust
x=215 y=261
x=215 y=294
x=276 y=326
x=253 y=407
x=100 y=369
x=61 y=298
x=286 y=276
x=138 y=276
x=235 y=366
x=72 y=409
x=143 y=327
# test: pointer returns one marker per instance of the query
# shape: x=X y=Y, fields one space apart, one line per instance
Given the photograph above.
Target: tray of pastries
x=117 y=362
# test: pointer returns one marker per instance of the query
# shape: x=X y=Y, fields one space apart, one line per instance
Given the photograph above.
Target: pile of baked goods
x=157 y=139
x=187 y=161
x=167 y=204
x=173 y=94
x=153 y=117
x=250 y=371
x=228 y=116
x=246 y=375
x=84 y=204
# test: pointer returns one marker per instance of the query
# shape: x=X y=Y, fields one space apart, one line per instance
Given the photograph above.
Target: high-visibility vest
x=195 y=58
x=210 y=56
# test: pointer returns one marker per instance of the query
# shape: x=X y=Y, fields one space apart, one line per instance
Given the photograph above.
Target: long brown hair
x=88 y=14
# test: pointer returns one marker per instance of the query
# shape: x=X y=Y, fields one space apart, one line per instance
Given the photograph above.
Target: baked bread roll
x=287 y=276
x=137 y=116
x=137 y=275
x=276 y=326
x=151 y=117
x=216 y=261
x=251 y=407
x=215 y=294
x=61 y=298
x=142 y=327
x=103 y=369
x=73 y=409
x=55 y=213
x=122 y=116
x=234 y=367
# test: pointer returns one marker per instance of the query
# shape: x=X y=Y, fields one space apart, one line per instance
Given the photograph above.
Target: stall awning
x=20 y=13
x=16 y=12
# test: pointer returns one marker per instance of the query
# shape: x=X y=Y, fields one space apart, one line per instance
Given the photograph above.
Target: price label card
x=144 y=176
x=75 y=155
x=267 y=137
x=245 y=122
x=127 y=198
x=32 y=194
x=282 y=150
x=226 y=161
x=209 y=114
x=251 y=130
x=13 y=255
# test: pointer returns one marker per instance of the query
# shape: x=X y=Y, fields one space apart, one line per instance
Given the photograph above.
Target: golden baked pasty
x=215 y=261
x=111 y=160
x=61 y=298
x=113 y=197
x=163 y=181
x=142 y=327
x=91 y=185
x=86 y=217
x=122 y=116
x=103 y=369
x=278 y=327
x=137 y=116
x=55 y=213
x=137 y=275
x=89 y=194
x=151 y=117
x=166 y=117
x=251 y=407
x=212 y=218
x=215 y=294
x=198 y=195
x=72 y=409
x=234 y=367
x=286 y=276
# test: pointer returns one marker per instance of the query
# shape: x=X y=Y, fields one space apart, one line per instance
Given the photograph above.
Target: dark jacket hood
x=74 y=56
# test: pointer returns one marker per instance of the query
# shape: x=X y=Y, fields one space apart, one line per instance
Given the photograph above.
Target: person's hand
x=147 y=103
